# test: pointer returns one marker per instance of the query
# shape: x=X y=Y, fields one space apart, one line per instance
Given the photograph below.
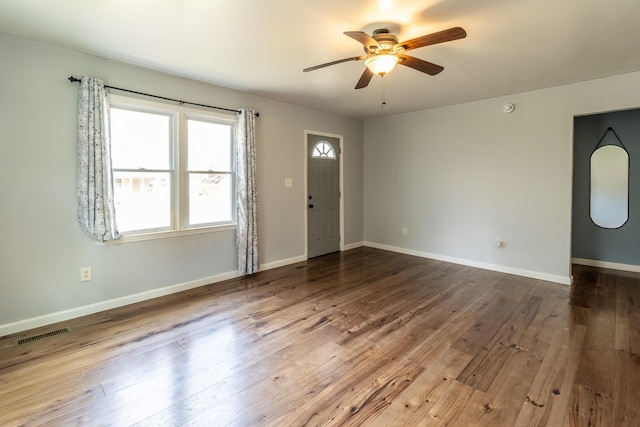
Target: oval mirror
x=610 y=186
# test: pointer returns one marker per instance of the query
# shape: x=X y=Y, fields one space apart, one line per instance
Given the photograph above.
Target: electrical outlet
x=404 y=231
x=85 y=274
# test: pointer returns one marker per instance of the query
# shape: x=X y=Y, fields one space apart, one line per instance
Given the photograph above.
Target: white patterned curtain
x=247 y=215
x=96 y=211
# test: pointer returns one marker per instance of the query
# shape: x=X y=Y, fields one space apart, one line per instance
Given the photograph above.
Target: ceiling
x=261 y=47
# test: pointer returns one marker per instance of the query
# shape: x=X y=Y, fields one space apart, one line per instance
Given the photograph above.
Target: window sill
x=130 y=238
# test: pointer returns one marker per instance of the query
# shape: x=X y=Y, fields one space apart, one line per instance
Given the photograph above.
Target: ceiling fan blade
x=420 y=65
x=364 y=38
x=365 y=78
x=339 y=61
x=454 y=33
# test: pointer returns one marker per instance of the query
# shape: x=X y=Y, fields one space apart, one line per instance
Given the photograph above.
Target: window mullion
x=182 y=195
x=143 y=170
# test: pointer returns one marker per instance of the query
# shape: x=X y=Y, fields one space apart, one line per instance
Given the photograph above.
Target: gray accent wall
x=42 y=248
x=589 y=241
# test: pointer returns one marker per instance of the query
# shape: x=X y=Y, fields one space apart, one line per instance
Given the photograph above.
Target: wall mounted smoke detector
x=508 y=108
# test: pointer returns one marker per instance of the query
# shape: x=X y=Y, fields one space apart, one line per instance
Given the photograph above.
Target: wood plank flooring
x=359 y=338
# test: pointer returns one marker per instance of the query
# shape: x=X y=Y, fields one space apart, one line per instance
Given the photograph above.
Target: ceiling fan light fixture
x=381 y=64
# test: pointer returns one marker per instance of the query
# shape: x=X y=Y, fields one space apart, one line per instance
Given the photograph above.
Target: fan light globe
x=381 y=64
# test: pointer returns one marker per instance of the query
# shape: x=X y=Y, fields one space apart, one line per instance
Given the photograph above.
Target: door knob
x=310 y=206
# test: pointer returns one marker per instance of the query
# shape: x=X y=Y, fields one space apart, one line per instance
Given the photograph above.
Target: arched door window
x=323 y=150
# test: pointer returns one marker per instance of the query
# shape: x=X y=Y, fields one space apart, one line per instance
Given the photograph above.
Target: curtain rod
x=73 y=79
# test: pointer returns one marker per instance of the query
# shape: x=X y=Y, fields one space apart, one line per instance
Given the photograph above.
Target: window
x=173 y=167
x=323 y=150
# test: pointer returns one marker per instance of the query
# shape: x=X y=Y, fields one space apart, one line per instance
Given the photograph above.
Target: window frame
x=179 y=205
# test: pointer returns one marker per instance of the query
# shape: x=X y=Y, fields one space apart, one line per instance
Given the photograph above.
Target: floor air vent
x=43 y=336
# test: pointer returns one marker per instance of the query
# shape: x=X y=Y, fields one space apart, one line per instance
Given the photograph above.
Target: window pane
x=209 y=146
x=140 y=140
x=210 y=198
x=323 y=150
x=143 y=200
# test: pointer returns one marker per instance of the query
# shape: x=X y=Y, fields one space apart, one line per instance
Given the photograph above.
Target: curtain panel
x=96 y=210
x=247 y=213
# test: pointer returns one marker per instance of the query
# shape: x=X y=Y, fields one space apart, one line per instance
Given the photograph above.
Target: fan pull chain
x=383 y=95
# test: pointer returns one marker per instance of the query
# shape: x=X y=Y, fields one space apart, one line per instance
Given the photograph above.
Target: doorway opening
x=591 y=243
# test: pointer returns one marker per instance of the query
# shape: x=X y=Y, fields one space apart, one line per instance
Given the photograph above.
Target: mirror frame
x=591 y=180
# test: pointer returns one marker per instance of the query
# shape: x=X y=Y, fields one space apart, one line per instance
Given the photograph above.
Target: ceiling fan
x=383 y=52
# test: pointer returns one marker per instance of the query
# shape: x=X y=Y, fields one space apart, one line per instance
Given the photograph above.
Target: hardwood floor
x=363 y=337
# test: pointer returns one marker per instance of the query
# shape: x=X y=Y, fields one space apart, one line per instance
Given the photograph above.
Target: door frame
x=340 y=138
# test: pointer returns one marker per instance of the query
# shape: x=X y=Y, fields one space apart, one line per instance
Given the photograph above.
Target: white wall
x=459 y=177
x=42 y=247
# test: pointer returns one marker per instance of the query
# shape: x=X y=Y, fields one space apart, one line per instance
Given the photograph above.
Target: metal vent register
x=43 y=336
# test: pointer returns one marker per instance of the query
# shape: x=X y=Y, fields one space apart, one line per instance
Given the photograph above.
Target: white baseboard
x=72 y=313
x=605 y=264
x=282 y=262
x=350 y=246
x=62 y=316
x=485 y=266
